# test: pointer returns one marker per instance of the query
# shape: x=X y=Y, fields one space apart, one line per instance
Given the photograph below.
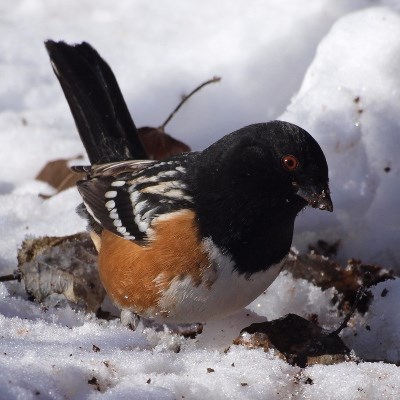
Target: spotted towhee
x=197 y=235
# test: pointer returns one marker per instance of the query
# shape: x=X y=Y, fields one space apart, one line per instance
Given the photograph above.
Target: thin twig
x=186 y=97
x=360 y=294
x=15 y=276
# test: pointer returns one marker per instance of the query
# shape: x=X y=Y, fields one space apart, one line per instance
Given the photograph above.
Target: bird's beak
x=316 y=196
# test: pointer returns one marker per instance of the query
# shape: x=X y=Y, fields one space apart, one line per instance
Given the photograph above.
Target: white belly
x=227 y=292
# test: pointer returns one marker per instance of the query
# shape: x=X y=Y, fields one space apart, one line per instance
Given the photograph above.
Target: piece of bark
x=62 y=265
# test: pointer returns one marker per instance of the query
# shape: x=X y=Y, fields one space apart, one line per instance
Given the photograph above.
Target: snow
x=329 y=66
x=349 y=99
x=377 y=338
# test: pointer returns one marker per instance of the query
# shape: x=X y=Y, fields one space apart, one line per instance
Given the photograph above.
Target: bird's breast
x=177 y=277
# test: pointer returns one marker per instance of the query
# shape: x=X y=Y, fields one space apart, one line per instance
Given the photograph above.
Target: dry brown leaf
x=160 y=145
x=58 y=174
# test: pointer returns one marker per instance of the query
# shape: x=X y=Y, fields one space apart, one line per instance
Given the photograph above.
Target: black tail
x=105 y=126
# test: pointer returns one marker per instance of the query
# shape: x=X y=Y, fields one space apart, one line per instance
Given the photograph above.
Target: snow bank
x=350 y=101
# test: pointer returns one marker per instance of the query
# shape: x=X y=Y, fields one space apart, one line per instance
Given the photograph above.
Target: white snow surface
x=330 y=66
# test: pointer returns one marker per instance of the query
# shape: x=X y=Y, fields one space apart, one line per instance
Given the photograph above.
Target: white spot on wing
x=110 y=194
x=110 y=205
x=142 y=225
x=168 y=216
x=164 y=187
x=117 y=222
x=134 y=197
x=118 y=183
x=178 y=194
x=143 y=179
x=139 y=207
x=114 y=215
x=166 y=174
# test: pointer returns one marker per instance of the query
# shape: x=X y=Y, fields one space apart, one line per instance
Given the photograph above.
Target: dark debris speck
x=309 y=381
x=384 y=292
x=94 y=381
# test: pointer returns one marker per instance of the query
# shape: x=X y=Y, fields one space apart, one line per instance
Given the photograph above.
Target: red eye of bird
x=289 y=162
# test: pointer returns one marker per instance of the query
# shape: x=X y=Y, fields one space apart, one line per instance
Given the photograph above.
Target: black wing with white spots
x=126 y=197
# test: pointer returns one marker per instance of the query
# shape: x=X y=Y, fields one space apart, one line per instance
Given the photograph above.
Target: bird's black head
x=294 y=161
x=258 y=179
x=277 y=160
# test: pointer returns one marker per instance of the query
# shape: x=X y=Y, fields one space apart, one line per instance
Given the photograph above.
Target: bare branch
x=185 y=98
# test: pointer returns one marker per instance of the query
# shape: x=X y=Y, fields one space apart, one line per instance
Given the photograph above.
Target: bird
x=195 y=236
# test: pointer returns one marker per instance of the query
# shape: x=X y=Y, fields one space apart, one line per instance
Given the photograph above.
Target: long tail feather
x=102 y=118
